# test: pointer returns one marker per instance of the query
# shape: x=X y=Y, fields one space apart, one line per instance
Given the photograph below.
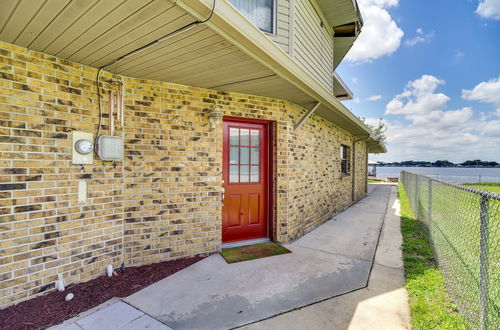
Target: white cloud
x=374 y=98
x=487 y=92
x=380 y=34
x=418 y=97
x=489 y=9
x=420 y=37
x=379 y=3
x=420 y=127
x=356 y=100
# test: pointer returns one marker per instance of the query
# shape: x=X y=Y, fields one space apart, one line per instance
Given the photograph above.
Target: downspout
x=354 y=164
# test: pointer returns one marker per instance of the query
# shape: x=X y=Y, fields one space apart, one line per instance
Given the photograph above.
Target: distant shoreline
x=386 y=165
x=453 y=174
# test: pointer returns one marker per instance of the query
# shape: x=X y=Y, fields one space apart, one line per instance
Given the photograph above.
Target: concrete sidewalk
x=331 y=261
x=382 y=305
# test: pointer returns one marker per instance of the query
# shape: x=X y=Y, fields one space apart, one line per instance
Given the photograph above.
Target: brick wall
x=317 y=188
x=163 y=201
x=43 y=229
x=361 y=169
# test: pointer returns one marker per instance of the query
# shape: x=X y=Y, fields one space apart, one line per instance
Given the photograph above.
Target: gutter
x=354 y=164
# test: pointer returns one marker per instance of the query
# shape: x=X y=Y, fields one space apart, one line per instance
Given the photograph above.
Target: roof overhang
x=340 y=89
x=375 y=146
x=340 y=12
x=345 y=18
x=226 y=53
x=231 y=24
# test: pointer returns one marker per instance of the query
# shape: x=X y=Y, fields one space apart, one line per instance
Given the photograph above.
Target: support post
x=307 y=115
x=483 y=261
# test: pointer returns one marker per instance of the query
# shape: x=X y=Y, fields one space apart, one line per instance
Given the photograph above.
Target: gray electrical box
x=110 y=148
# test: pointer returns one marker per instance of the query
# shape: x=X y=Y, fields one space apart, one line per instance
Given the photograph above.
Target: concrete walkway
x=327 y=272
x=382 y=305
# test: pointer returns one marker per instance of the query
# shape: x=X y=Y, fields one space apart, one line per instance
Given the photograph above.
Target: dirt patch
x=250 y=252
x=51 y=309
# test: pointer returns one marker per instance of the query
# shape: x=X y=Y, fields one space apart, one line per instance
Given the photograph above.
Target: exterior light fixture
x=215 y=116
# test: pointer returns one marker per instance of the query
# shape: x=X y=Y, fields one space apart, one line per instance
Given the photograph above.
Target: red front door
x=245 y=175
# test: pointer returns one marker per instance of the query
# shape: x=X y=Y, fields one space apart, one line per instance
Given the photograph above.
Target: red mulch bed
x=51 y=309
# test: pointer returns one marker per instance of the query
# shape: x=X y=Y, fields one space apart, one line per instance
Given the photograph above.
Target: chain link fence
x=463 y=225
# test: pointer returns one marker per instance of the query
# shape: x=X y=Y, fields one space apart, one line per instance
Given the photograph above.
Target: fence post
x=483 y=259
x=417 y=198
x=429 y=214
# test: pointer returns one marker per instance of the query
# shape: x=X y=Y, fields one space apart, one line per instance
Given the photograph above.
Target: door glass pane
x=254 y=174
x=244 y=137
x=234 y=136
x=233 y=173
x=255 y=156
x=244 y=175
x=233 y=155
x=254 y=138
x=244 y=155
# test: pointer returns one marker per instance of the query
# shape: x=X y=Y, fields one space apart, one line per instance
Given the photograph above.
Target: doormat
x=249 y=252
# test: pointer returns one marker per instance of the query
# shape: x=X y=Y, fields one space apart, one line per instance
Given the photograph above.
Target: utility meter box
x=82 y=148
x=110 y=148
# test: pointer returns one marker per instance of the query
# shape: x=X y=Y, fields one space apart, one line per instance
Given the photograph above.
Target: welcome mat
x=249 y=252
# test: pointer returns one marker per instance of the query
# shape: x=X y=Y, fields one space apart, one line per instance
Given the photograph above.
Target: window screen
x=259 y=12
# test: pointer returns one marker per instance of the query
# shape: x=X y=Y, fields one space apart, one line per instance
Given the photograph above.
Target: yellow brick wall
x=43 y=229
x=317 y=188
x=163 y=201
x=361 y=168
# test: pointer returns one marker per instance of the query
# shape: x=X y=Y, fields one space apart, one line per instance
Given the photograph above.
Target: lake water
x=453 y=174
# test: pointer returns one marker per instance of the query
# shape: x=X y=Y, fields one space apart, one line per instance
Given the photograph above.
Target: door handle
x=223 y=195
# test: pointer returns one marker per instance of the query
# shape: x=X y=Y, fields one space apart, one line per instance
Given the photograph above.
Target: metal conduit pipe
x=354 y=164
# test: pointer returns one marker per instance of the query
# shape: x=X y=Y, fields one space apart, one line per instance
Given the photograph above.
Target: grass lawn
x=493 y=187
x=430 y=306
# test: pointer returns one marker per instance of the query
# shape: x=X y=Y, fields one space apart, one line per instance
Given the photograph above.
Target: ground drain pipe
x=354 y=164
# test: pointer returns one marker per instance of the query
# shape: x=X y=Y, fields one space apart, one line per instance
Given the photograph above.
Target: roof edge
x=376 y=146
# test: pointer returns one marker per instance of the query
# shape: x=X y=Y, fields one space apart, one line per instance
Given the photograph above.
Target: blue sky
x=431 y=70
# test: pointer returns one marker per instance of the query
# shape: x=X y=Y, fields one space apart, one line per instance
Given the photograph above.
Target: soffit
x=339 y=12
x=340 y=89
x=96 y=32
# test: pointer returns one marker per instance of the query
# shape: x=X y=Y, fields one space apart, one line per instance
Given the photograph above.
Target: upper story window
x=260 y=12
x=344 y=160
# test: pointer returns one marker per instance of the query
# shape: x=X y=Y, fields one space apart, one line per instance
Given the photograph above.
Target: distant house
x=231 y=129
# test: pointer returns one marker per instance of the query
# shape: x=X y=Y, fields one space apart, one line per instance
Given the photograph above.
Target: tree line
x=441 y=163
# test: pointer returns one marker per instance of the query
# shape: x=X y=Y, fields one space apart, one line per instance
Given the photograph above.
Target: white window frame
x=347 y=160
x=275 y=19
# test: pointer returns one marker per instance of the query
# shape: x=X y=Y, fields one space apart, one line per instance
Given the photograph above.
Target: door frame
x=270 y=170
